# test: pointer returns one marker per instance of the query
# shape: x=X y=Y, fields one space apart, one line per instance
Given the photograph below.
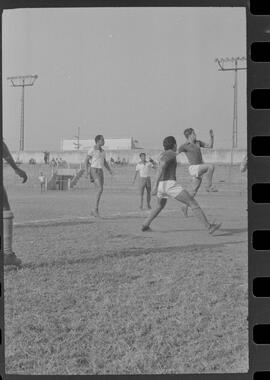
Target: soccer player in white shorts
x=166 y=187
x=197 y=168
x=143 y=168
x=98 y=162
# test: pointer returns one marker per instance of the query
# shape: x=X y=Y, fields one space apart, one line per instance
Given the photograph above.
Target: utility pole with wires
x=233 y=64
x=22 y=81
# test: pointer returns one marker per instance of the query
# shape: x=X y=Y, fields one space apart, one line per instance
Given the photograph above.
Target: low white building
x=110 y=144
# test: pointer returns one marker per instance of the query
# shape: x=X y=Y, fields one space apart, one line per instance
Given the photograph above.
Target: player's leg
x=187 y=199
x=91 y=178
x=209 y=175
x=9 y=256
x=141 y=190
x=97 y=175
x=161 y=203
x=148 y=189
x=196 y=183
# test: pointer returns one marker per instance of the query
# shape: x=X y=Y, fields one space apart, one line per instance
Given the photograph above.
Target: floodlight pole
x=221 y=63
x=22 y=81
x=235 y=113
x=236 y=68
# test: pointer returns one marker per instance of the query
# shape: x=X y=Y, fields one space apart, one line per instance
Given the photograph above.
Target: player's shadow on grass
x=230 y=231
x=221 y=232
x=118 y=217
x=129 y=252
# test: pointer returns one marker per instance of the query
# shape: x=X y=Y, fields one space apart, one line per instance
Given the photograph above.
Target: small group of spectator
x=118 y=162
x=58 y=163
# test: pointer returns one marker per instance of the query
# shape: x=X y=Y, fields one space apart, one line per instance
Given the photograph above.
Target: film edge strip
x=259 y=189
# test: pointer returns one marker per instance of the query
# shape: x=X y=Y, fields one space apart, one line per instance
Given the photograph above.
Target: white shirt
x=41 y=178
x=98 y=158
x=144 y=169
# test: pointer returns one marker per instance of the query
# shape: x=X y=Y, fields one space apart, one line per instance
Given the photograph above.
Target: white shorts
x=168 y=189
x=194 y=170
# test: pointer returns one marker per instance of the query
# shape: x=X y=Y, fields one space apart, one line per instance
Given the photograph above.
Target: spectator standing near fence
x=42 y=181
x=143 y=168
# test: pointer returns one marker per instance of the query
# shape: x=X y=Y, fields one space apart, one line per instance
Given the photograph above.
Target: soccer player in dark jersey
x=192 y=149
x=9 y=256
x=166 y=186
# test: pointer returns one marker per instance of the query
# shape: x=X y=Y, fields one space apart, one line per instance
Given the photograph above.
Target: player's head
x=99 y=140
x=190 y=134
x=170 y=143
x=143 y=156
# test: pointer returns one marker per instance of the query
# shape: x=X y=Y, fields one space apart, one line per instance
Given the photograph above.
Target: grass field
x=102 y=297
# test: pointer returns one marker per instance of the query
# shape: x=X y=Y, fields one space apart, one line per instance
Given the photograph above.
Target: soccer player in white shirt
x=144 y=170
x=98 y=162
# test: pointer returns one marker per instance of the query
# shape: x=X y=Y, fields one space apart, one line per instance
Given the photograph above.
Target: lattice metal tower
x=22 y=81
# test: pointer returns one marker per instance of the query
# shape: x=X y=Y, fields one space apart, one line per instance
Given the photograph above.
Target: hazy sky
x=120 y=72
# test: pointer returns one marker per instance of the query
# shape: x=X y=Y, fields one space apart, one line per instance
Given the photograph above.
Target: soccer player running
x=144 y=169
x=166 y=186
x=98 y=162
x=9 y=256
x=192 y=149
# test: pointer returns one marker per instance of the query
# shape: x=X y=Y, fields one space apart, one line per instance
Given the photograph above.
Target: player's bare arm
x=153 y=162
x=86 y=162
x=211 y=141
x=181 y=149
x=107 y=166
x=135 y=176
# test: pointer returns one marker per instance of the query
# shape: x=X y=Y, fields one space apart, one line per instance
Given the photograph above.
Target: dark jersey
x=168 y=157
x=193 y=152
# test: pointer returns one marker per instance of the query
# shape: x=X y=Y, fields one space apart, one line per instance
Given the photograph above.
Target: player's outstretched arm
x=153 y=162
x=135 y=176
x=9 y=159
x=211 y=141
x=86 y=162
x=181 y=149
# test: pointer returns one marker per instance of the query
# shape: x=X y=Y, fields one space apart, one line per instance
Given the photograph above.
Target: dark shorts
x=145 y=183
x=96 y=175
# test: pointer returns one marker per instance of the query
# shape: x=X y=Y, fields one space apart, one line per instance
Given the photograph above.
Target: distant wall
x=220 y=156
x=113 y=144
